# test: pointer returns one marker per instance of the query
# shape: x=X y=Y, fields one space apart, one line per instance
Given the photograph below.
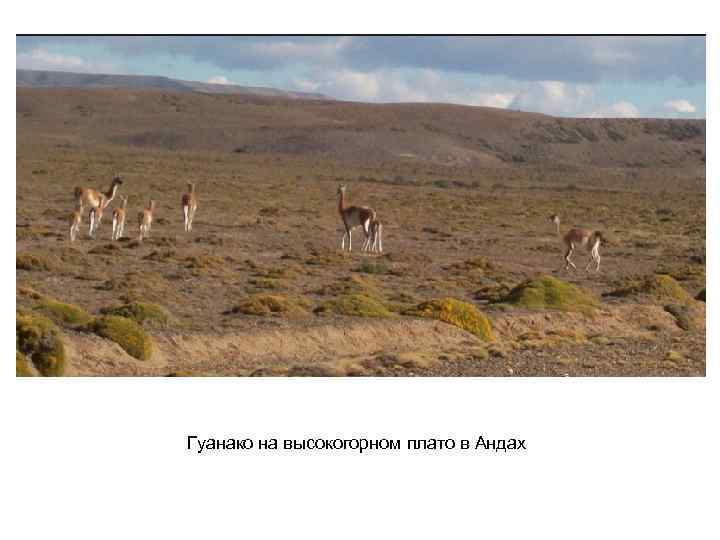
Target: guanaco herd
x=98 y=202
x=352 y=217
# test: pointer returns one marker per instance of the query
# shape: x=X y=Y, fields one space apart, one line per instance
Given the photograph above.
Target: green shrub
x=266 y=305
x=144 y=313
x=356 y=305
x=659 y=286
x=547 y=292
x=126 y=333
x=62 y=313
x=40 y=340
x=458 y=313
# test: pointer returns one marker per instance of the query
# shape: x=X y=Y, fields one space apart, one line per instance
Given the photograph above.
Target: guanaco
x=118 y=220
x=189 y=205
x=352 y=217
x=577 y=237
x=145 y=219
x=93 y=198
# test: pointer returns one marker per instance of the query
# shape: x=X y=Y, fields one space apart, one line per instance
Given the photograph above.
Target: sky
x=578 y=76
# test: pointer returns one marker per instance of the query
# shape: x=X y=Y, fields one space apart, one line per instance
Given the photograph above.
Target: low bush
x=144 y=313
x=62 y=313
x=126 y=333
x=355 y=305
x=267 y=305
x=547 y=292
x=458 y=313
x=40 y=341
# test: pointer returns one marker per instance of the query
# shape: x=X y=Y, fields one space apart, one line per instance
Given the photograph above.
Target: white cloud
x=549 y=97
x=553 y=97
x=499 y=101
x=44 y=60
x=353 y=85
x=219 y=79
x=680 y=106
x=625 y=109
x=390 y=86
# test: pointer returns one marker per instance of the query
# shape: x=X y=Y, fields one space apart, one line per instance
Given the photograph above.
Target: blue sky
x=565 y=76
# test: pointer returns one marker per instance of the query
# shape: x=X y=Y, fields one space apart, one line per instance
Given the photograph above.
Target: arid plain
x=471 y=282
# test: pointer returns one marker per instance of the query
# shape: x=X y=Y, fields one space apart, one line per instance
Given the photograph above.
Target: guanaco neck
x=111 y=192
x=341 y=203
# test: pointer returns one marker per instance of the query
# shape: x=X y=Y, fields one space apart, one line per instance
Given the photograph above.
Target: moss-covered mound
x=690 y=273
x=547 y=292
x=356 y=305
x=659 y=287
x=266 y=305
x=126 y=333
x=458 y=313
x=23 y=366
x=40 y=340
x=62 y=313
x=144 y=313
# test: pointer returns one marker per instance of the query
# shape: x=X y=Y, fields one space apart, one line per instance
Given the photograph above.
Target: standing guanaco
x=94 y=198
x=118 y=220
x=577 y=237
x=352 y=217
x=189 y=205
x=145 y=218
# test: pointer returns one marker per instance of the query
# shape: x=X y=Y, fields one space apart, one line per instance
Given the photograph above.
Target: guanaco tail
x=352 y=217
x=94 y=199
x=189 y=205
x=145 y=219
x=118 y=219
x=577 y=237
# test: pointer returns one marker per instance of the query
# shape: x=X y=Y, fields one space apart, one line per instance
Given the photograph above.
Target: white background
x=607 y=458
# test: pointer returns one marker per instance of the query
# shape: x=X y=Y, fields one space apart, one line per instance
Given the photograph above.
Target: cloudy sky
x=566 y=76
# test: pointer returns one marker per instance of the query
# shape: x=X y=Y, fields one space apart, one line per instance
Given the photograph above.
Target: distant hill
x=26 y=78
x=416 y=137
